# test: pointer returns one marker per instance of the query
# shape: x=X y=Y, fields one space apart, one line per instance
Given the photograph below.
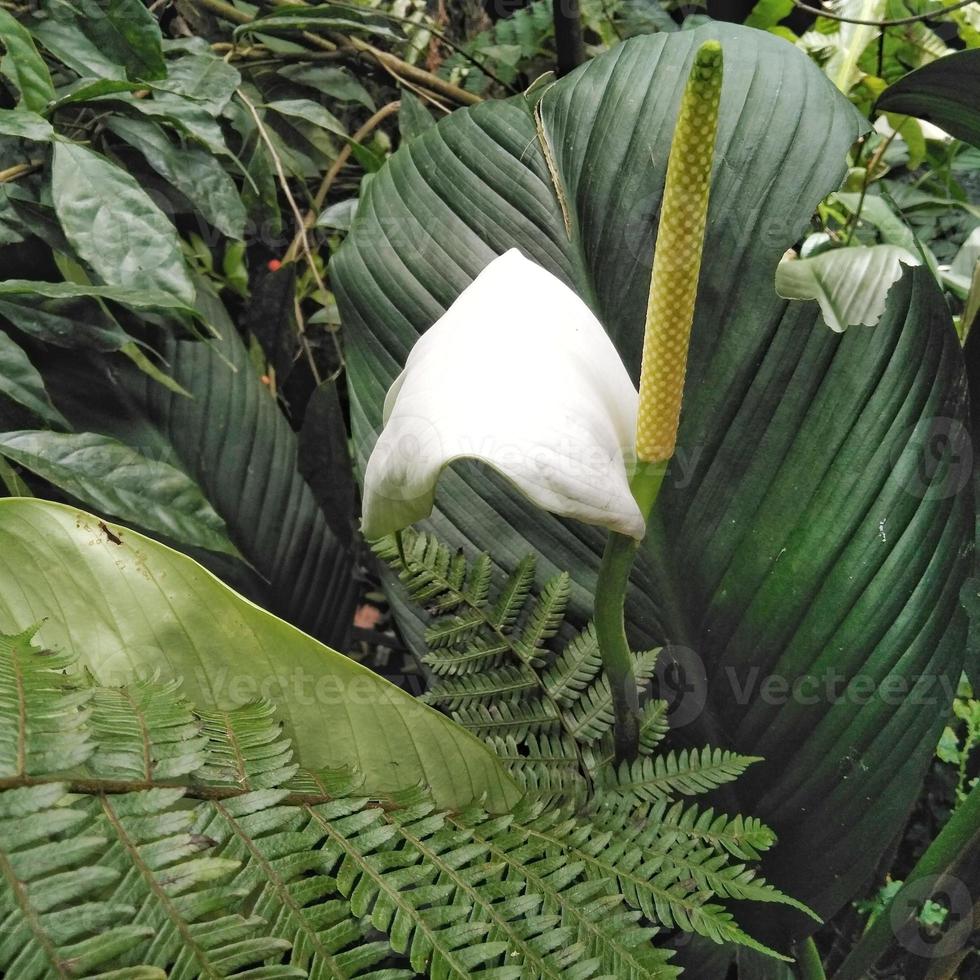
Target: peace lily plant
x=551 y=405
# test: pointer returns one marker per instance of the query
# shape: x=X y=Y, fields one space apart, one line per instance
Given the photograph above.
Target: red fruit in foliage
x=274 y=265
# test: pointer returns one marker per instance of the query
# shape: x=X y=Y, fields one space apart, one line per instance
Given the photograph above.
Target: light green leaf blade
x=115 y=479
x=194 y=171
x=766 y=557
x=945 y=92
x=20 y=380
x=23 y=65
x=768 y=13
x=114 y=225
x=876 y=211
x=136 y=606
x=850 y=284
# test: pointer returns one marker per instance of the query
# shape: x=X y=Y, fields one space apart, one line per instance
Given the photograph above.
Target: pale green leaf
x=129 y=606
x=850 y=284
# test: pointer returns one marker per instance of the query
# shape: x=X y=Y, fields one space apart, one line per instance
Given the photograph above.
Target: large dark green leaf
x=130 y=606
x=945 y=92
x=114 y=225
x=799 y=534
x=233 y=441
x=67 y=323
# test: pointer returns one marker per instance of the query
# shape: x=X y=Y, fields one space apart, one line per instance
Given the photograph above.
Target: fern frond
x=235 y=872
x=744 y=838
x=654 y=726
x=145 y=732
x=575 y=669
x=432 y=575
x=513 y=595
x=501 y=683
x=612 y=851
x=52 y=736
x=545 y=618
x=590 y=717
x=549 y=718
x=481 y=654
x=687 y=772
x=596 y=918
x=454 y=629
x=518 y=719
x=712 y=872
x=545 y=765
x=177 y=887
x=42 y=871
x=435 y=577
x=453 y=910
x=246 y=747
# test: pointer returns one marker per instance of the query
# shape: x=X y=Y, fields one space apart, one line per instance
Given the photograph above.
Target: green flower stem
x=808 y=963
x=958 y=840
x=610 y=629
x=610 y=624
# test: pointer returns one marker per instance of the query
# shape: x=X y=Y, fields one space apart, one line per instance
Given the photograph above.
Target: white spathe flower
x=520 y=374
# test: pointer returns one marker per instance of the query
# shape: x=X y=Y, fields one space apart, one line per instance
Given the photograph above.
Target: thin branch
x=20 y=170
x=227 y=11
x=387 y=60
x=868 y=178
x=414 y=74
x=895 y=22
x=330 y=176
x=450 y=43
x=301 y=231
